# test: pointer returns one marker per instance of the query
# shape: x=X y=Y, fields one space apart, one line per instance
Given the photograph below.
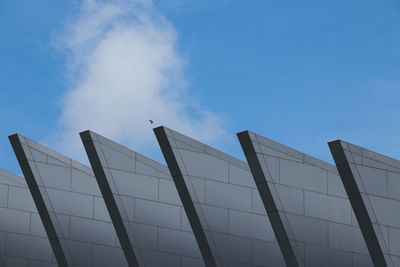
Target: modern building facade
x=372 y=181
x=218 y=192
x=70 y=206
x=204 y=208
x=23 y=239
x=306 y=202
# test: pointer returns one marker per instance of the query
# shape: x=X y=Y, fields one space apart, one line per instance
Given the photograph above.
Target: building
x=205 y=208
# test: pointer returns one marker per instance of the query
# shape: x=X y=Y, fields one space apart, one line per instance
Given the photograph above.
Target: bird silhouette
x=151 y=122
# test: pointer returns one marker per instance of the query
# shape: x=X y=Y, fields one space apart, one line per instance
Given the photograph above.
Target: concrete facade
x=222 y=203
x=23 y=240
x=280 y=208
x=70 y=205
x=372 y=182
x=144 y=205
x=307 y=205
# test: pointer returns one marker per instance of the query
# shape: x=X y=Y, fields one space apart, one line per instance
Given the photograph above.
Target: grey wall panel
x=222 y=203
x=144 y=205
x=306 y=202
x=372 y=184
x=66 y=193
x=23 y=241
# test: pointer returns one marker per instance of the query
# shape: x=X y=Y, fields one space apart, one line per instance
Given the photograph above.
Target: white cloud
x=124 y=69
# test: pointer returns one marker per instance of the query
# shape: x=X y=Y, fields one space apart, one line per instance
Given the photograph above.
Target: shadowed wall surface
x=307 y=205
x=206 y=209
x=150 y=219
x=70 y=205
x=372 y=183
x=23 y=240
x=222 y=203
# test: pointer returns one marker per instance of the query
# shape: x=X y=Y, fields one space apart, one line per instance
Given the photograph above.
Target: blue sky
x=299 y=72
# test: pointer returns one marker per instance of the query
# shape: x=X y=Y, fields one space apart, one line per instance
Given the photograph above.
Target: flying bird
x=151 y=122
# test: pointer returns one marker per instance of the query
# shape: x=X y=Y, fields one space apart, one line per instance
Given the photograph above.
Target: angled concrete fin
x=143 y=203
x=307 y=205
x=24 y=241
x=372 y=182
x=222 y=203
x=70 y=206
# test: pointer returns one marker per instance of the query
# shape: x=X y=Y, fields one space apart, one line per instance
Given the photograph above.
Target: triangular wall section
x=70 y=205
x=143 y=203
x=307 y=204
x=372 y=182
x=222 y=203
